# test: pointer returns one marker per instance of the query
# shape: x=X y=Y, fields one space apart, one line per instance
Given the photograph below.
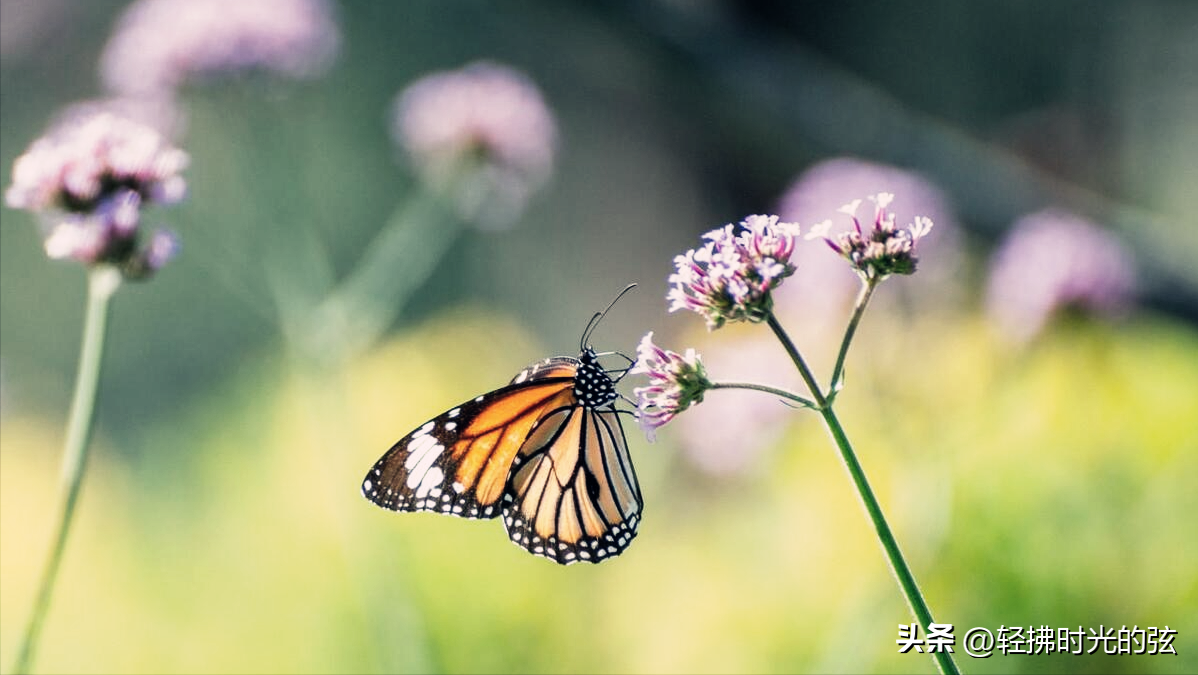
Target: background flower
x=159 y=44
x=88 y=180
x=1054 y=260
x=481 y=131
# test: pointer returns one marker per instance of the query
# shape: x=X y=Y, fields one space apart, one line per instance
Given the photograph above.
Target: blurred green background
x=221 y=528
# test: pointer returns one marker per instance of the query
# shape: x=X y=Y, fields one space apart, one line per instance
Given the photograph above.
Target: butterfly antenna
x=586 y=334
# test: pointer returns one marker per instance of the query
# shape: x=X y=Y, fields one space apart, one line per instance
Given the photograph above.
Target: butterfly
x=546 y=452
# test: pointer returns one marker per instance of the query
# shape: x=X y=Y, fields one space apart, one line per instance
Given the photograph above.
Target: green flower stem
x=898 y=564
x=867 y=291
x=804 y=371
x=781 y=393
x=102 y=282
x=405 y=253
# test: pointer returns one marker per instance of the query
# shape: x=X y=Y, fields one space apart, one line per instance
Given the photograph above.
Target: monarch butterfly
x=547 y=452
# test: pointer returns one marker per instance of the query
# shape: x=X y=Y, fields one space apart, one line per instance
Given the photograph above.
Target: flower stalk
x=103 y=281
x=867 y=291
x=764 y=388
x=894 y=555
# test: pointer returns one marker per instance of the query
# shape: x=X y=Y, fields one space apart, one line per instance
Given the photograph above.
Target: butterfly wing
x=551 y=368
x=574 y=495
x=458 y=463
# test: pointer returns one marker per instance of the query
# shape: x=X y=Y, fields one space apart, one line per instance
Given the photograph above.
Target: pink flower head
x=1054 y=260
x=817 y=193
x=881 y=250
x=676 y=382
x=159 y=44
x=87 y=158
x=484 y=131
x=89 y=178
x=730 y=277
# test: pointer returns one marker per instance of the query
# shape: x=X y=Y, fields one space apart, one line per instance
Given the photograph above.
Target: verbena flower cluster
x=89 y=178
x=730 y=277
x=676 y=381
x=484 y=127
x=881 y=251
x=160 y=44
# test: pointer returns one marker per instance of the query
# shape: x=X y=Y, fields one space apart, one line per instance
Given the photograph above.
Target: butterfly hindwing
x=573 y=495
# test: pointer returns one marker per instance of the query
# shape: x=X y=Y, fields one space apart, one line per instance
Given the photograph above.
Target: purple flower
x=676 y=382
x=483 y=132
x=1054 y=260
x=881 y=251
x=159 y=44
x=88 y=179
x=86 y=159
x=730 y=277
x=816 y=194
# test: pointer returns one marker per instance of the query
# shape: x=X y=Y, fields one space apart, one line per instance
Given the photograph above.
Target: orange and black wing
x=573 y=494
x=458 y=463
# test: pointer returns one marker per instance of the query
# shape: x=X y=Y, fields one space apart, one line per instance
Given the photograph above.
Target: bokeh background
x=1037 y=471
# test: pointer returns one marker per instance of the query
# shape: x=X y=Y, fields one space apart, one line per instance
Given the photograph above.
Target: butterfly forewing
x=458 y=462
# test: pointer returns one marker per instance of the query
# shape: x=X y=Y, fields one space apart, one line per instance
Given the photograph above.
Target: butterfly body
x=547 y=452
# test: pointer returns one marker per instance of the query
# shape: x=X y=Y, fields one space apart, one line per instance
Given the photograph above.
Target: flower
x=676 y=382
x=820 y=190
x=160 y=44
x=882 y=251
x=1054 y=260
x=89 y=178
x=87 y=158
x=482 y=132
x=730 y=277
x=825 y=186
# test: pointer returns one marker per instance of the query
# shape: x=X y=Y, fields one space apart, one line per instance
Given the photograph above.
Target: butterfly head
x=593 y=387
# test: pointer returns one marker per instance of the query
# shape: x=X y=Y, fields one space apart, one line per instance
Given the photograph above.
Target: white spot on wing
x=424 y=451
x=432 y=479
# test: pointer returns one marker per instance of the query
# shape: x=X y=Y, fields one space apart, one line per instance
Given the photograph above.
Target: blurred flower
x=86 y=159
x=482 y=132
x=159 y=44
x=88 y=178
x=882 y=251
x=730 y=277
x=676 y=382
x=1054 y=260
x=738 y=425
